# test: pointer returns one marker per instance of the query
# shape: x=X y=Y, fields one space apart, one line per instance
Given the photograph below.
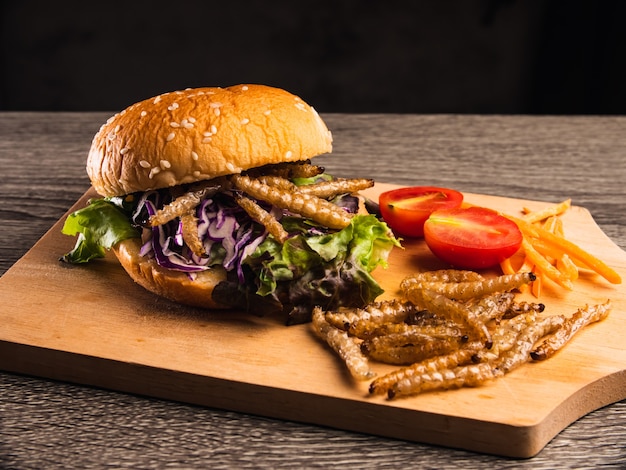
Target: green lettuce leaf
x=99 y=225
x=329 y=270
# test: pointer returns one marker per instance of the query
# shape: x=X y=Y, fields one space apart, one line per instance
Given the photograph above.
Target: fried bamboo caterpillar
x=289 y=170
x=344 y=345
x=470 y=375
x=191 y=237
x=314 y=208
x=331 y=188
x=436 y=329
x=469 y=289
x=260 y=215
x=456 y=311
x=581 y=318
x=491 y=307
x=459 y=357
x=447 y=275
x=362 y=322
x=184 y=204
x=517 y=308
x=526 y=340
x=404 y=349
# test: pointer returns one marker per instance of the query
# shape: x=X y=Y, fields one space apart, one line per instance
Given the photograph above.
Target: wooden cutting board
x=92 y=325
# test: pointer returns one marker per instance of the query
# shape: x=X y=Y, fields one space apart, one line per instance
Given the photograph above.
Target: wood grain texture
x=106 y=331
x=45 y=423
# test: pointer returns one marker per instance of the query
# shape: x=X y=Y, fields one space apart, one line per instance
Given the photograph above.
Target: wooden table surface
x=46 y=424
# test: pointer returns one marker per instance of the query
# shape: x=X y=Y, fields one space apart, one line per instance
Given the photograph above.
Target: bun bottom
x=174 y=285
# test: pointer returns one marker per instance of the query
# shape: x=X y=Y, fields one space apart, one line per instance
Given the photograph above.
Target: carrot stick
x=574 y=251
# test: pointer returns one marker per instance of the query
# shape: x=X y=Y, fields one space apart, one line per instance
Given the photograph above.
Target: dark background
x=436 y=56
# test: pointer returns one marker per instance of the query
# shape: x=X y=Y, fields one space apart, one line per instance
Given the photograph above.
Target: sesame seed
x=301 y=106
x=288 y=154
x=112 y=135
x=245 y=121
x=206 y=140
x=124 y=151
x=194 y=155
x=173 y=106
x=216 y=104
x=143 y=113
x=144 y=164
x=174 y=124
x=154 y=171
x=157 y=99
x=192 y=119
x=165 y=164
x=244 y=88
x=230 y=166
x=117 y=128
x=268 y=112
x=170 y=136
x=217 y=111
x=187 y=124
x=213 y=129
x=207 y=134
x=196 y=173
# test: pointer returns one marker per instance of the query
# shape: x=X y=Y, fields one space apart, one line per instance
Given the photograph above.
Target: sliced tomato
x=471 y=238
x=406 y=209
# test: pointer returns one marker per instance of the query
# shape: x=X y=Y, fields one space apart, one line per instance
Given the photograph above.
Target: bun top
x=201 y=133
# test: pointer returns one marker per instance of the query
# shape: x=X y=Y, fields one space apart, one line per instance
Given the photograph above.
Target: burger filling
x=288 y=241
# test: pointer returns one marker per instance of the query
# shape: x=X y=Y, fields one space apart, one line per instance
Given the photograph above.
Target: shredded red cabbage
x=227 y=233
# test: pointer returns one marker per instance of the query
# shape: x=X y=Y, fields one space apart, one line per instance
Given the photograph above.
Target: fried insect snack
x=344 y=345
x=580 y=319
x=189 y=223
x=328 y=189
x=517 y=308
x=456 y=311
x=409 y=347
x=186 y=202
x=474 y=374
x=265 y=218
x=435 y=328
x=446 y=343
x=467 y=289
x=363 y=322
x=491 y=307
x=425 y=369
x=289 y=170
x=312 y=207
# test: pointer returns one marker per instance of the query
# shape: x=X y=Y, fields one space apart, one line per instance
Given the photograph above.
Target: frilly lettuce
x=99 y=225
x=330 y=270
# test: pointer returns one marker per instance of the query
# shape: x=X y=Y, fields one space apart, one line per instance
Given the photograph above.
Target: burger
x=209 y=198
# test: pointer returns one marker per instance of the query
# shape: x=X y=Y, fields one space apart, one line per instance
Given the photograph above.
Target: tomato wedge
x=406 y=209
x=471 y=238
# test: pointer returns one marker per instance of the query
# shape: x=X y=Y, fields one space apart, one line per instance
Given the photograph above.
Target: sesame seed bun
x=201 y=133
